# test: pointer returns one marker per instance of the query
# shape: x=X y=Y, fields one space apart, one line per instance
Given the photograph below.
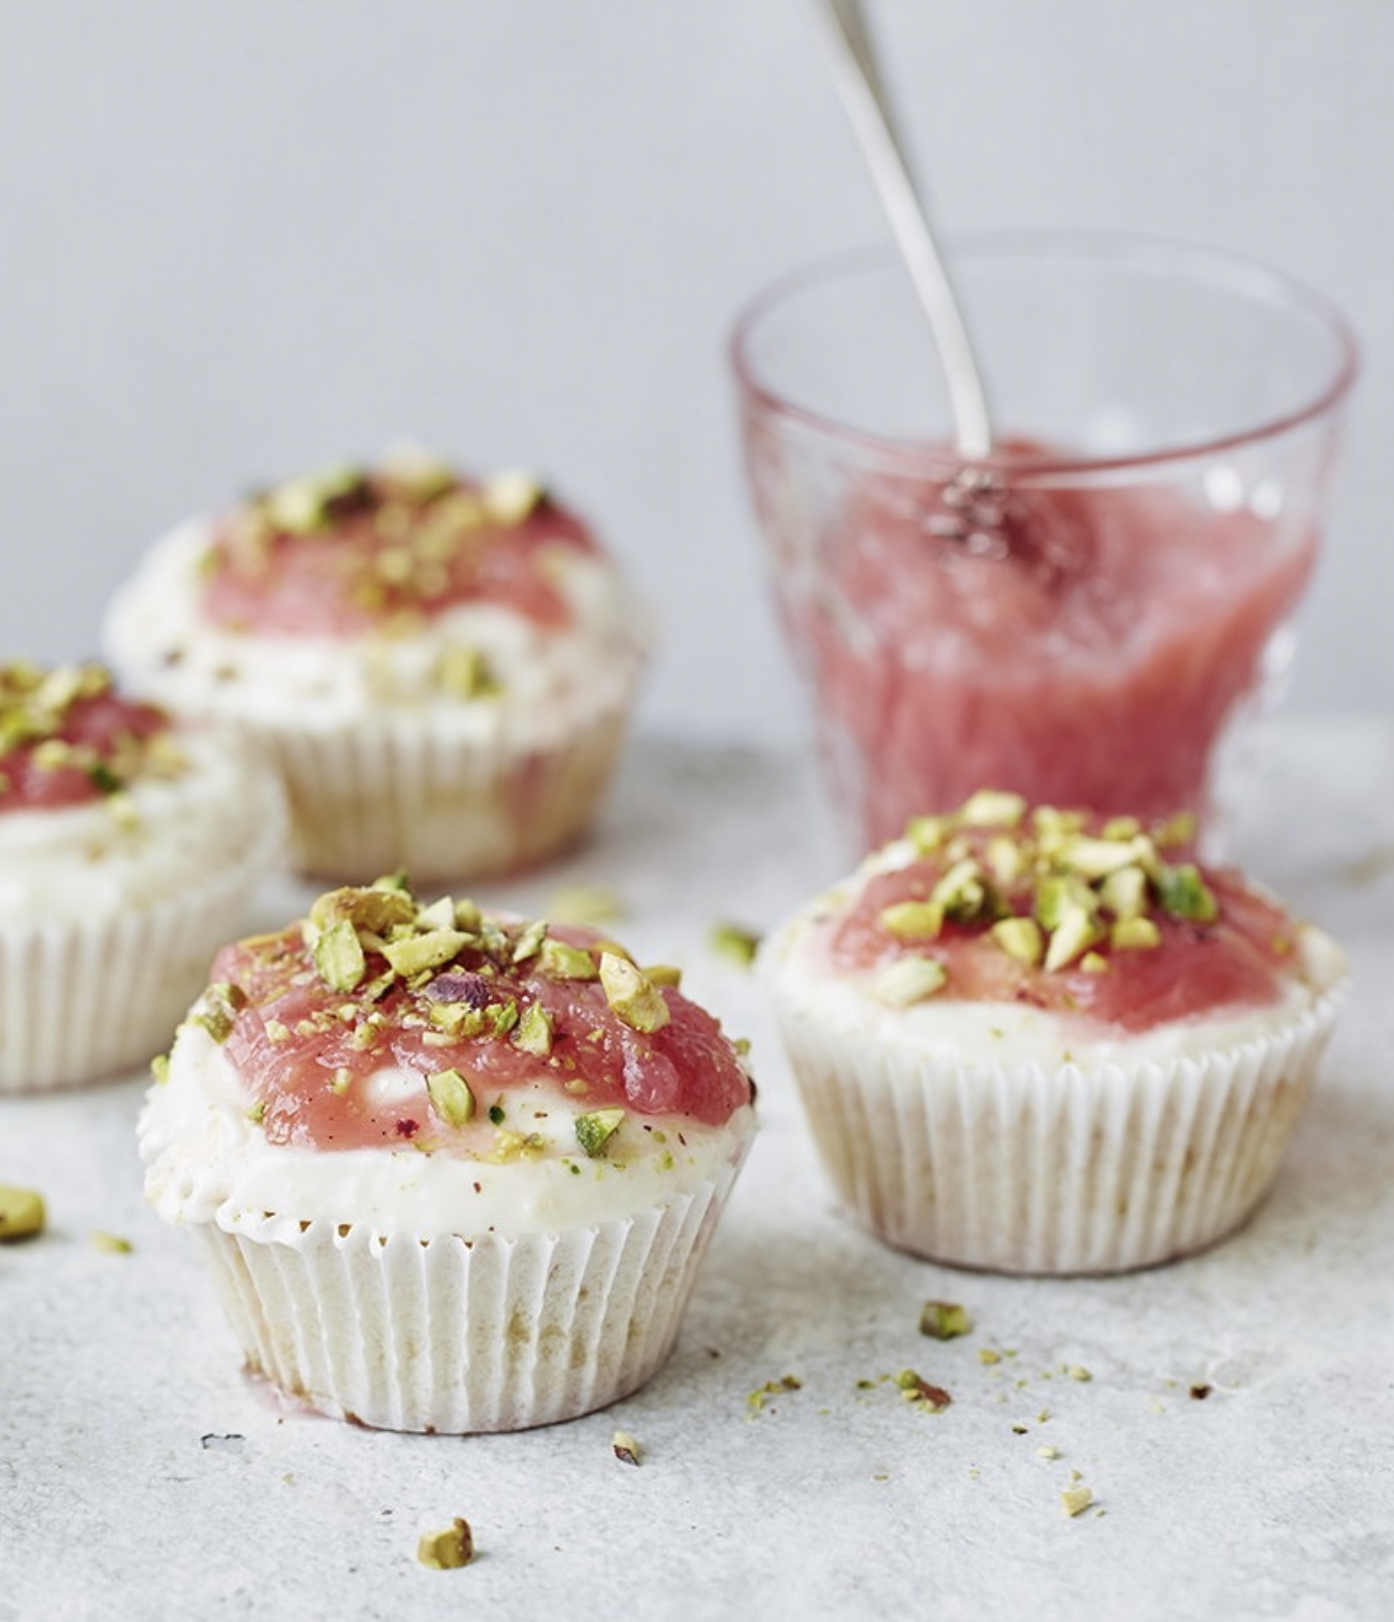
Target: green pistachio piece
x=1134 y=933
x=596 y=1127
x=991 y=808
x=663 y=974
x=502 y=1016
x=562 y=961
x=112 y=1243
x=439 y=915
x=909 y=980
x=429 y=951
x=534 y=1031
x=22 y=1213
x=338 y=956
x=529 y=941
x=1185 y=894
x=1121 y=828
x=911 y=920
x=626 y=1449
x=1177 y=830
x=466 y=673
x=375 y=909
x=451 y=1097
x=732 y=941
x=1124 y=892
x=217 y=1009
x=1020 y=938
x=1075 y=933
x=447 y=1550
x=944 y=1320
x=392 y=881
x=456 y=1018
x=1094 y=963
x=638 y=1002
x=256 y=1113
x=963 y=893
x=1006 y=859
x=585 y=904
x=467 y=916
x=1097 y=858
x=511 y=495
x=159 y=1068
x=1058 y=894
x=301 y=505
x=927 y=834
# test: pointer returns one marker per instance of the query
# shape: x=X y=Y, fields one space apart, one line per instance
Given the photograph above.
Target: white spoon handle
x=863 y=92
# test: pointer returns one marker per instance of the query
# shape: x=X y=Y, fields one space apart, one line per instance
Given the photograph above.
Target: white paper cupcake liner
x=1023 y=1169
x=370 y=798
x=462 y=1334
x=85 y=998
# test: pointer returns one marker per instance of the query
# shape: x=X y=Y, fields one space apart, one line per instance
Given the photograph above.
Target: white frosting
x=208 y=1162
x=549 y=676
x=87 y=861
x=797 y=964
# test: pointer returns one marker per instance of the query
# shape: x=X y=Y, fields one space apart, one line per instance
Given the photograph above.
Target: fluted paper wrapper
x=1074 y=1170
x=84 y=999
x=370 y=798
x=458 y=1334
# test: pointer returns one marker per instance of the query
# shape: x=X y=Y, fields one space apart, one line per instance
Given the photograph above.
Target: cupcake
x=1045 y=1044
x=451 y=1171
x=440 y=669
x=129 y=846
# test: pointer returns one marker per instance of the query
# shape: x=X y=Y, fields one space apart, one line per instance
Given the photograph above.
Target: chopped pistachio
x=1130 y=934
x=159 y=1068
x=1094 y=963
x=1184 y=893
x=662 y=974
x=256 y=1113
x=595 y=1129
x=338 y=956
x=1019 y=938
x=909 y=980
x=496 y=1114
x=1007 y=860
x=918 y=1390
x=1124 y=891
x=534 y=1032
x=502 y=1016
x=1121 y=828
x=439 y=915
x=447 y=1550
x=1177 y=830
x=634 y=999
x=1074 y=934
x=963 y=892
x=626 y=1448
x=992 y=808
x=1097 y=858
x=451 y=1097
x=1047 y=1452
x=276 y=1031
x=1059 y=893
x=1077 y=1372
x=429 y=951
x=562 y=961
x=112 y=1243
x=927 y=834
x=944 y=1320
x=911 y=920
x=466 y=673
x=511 y=495
x=1076 y=1500
x=217 y=1009
x=301 y=505
x=375 y=908
x=22 y=1213
x=529 y=941
x=734 y=942
x=343 y=1078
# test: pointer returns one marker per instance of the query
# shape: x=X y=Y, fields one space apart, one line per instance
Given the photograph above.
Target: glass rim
x=1136 y=248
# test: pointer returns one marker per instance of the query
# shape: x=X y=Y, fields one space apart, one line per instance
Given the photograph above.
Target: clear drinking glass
x=1093 y=616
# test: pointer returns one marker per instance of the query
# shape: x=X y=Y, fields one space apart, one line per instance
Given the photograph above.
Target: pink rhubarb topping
x=1107 y=922
x=374 y=982
x=66 y=738
x=353 y=550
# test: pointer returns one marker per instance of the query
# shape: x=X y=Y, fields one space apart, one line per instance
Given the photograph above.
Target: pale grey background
x=244 y=238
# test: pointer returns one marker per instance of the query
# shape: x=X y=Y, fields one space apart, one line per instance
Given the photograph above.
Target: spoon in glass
x=857 y=75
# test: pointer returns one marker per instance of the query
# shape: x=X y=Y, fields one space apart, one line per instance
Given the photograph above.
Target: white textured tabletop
x=142 y=1476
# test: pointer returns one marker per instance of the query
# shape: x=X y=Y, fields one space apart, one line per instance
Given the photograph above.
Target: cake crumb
x=1075 y=1500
